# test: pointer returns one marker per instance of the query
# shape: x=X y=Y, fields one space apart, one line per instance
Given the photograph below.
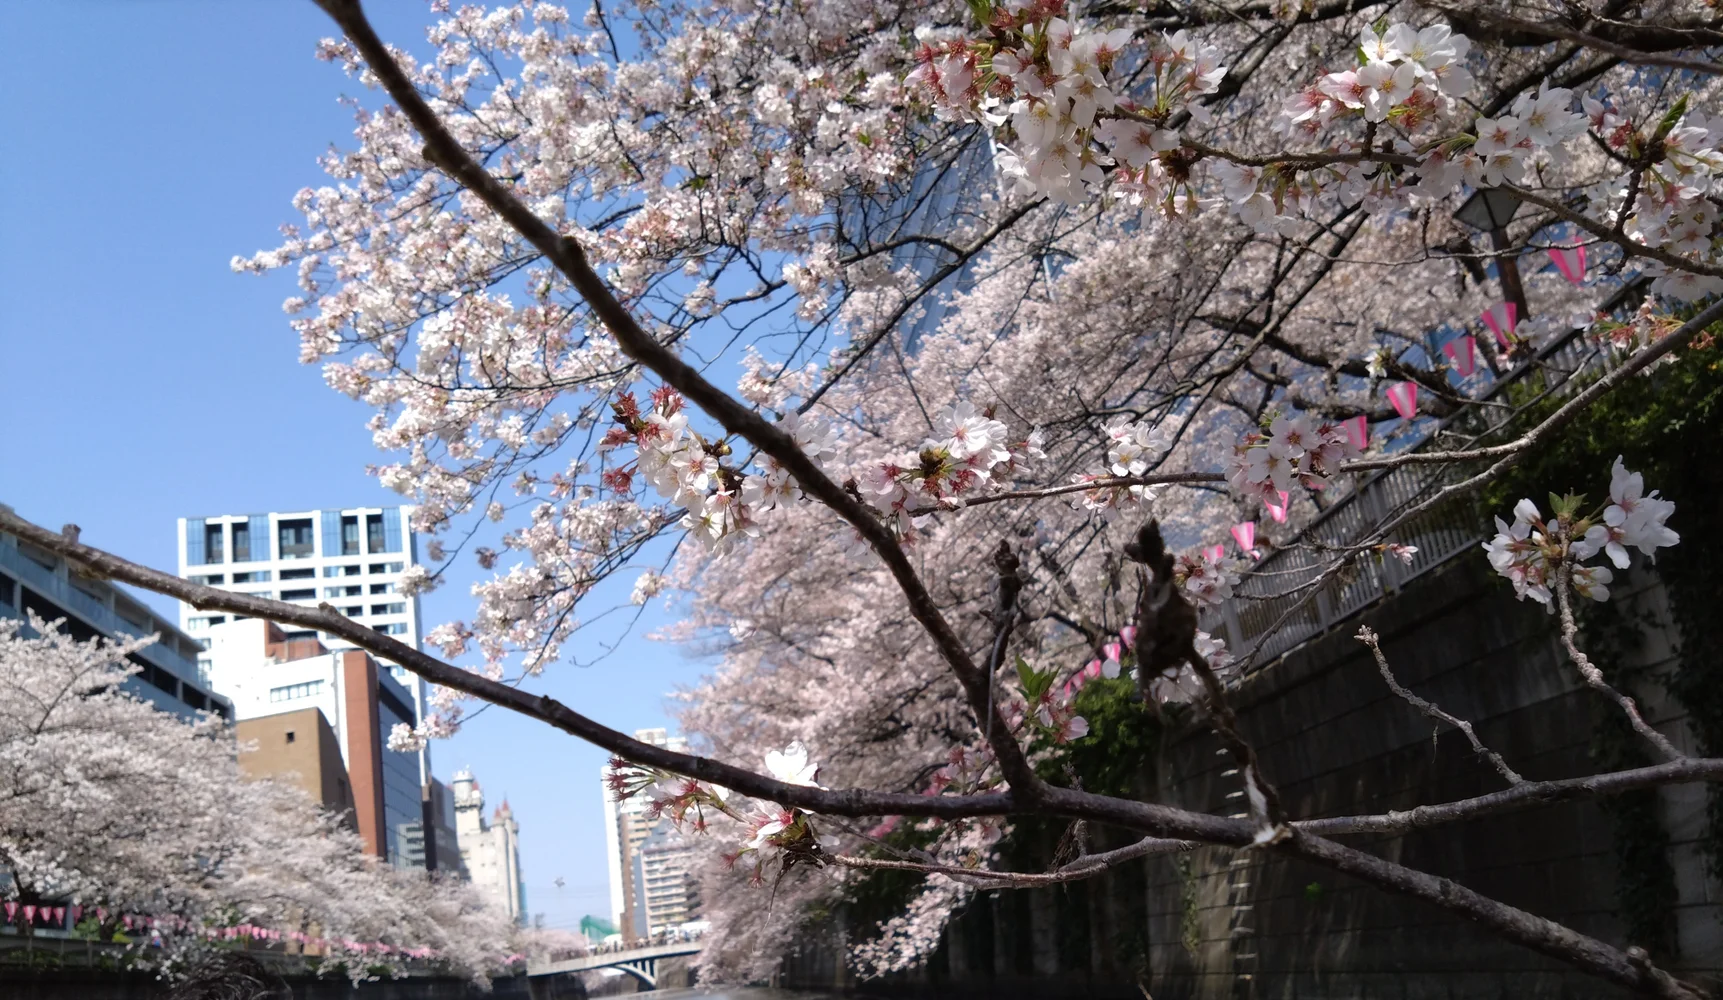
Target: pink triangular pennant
x=1463 y=354
x=1358 y=432
x=1404 y=396
x=101 y=915
x=1244 y=533
x=1500 y=318
x=1214 y=553
x=59 y=914
x=1278 y=513
x=11 y=912
x=29 y=913
x=77 y=914
x=1570 y=261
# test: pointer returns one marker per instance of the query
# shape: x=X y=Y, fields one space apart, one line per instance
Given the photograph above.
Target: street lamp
x=1490 y=210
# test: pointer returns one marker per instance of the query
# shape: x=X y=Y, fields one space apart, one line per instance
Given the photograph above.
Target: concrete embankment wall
x=1335 y=741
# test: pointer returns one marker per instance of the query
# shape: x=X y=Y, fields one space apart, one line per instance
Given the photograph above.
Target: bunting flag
x=1358 y=432
x=11 y=912
x=1500 y=318
x=1128 y=636
x=101 y=915
x=1404 y=396
x=1244 y=533
x=1278 y=513
x=1570 y=261
x=77 y=914
x=29 y=913
x=1463 y=354
x=59 y=914
x=1215 y=553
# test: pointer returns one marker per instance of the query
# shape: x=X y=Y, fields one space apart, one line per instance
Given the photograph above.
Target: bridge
x=641 y=963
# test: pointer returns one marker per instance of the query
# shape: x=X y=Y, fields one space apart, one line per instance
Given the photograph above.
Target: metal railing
x=1278 y=585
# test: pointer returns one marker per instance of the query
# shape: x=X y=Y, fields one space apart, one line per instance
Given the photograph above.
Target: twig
x=1368 y=638
x=1593 y=676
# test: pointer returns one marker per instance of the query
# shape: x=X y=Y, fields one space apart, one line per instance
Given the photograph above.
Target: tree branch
x=1368 y=638
x=566 y=253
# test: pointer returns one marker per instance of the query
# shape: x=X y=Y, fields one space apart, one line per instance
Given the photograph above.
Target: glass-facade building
x=169 y=677
x=351 y=557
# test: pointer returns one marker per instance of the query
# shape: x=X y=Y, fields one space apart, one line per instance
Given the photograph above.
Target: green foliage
x=1122 y=744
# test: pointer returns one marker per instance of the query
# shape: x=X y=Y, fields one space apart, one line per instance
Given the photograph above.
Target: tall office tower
x=169 y=675
x=489 y=850
x=626 y=827
x=664 y=895
x=353 y=558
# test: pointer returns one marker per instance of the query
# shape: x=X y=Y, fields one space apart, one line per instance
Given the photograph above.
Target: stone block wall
x=1333 y=738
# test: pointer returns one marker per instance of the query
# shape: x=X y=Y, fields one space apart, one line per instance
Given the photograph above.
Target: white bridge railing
x=1279 y=582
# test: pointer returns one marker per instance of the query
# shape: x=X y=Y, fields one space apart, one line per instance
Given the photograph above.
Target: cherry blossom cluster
x=1674 y=207
x=1046 y=77
x=1533 y=549
x=687 y=469
x=969 y=452
x=1296 y=451
x=1208 y=577
x=142 y=824
x=1133 y=448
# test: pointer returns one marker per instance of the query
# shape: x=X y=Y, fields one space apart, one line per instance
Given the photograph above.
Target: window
x=389 y=609
x=374 y=533
x=291 y=692
x=241 y=542
x=352 y=569
x=258 y=593
x=255 y=576
x=386 y=567
x=299 y=595
x=290 y=736
x=8 y=591
x=349 y=535
x=295 y=539
x=214 y=579
x=353 y=610
x=301 y=634
x=212 y=547
x=298 y=574
x=392 y=628
x=382 y=588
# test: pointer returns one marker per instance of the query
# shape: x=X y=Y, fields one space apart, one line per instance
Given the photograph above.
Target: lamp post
x=1490 y=210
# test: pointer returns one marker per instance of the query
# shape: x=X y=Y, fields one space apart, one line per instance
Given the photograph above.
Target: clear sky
x=145 y=143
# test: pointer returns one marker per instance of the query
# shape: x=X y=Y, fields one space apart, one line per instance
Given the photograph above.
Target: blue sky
x=149 y=142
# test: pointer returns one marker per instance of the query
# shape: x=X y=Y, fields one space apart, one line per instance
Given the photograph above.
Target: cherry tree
x=142 y=821
x=1024 y=306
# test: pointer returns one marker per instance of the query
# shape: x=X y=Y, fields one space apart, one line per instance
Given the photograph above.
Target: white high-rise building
x=489 y=850
x=353 y=558
x=626 y=827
